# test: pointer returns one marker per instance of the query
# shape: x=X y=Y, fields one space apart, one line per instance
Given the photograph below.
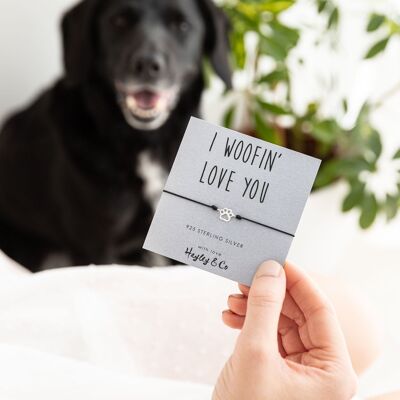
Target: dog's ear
x=217 y=40
x=77 y=38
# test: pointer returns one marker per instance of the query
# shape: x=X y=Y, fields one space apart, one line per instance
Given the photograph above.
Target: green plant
x=350 y=155
x=388 y=27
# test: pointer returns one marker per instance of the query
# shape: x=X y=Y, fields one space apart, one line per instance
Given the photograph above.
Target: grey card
x=230 y=202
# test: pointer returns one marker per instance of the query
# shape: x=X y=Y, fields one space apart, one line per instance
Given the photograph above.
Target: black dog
x=77 y=168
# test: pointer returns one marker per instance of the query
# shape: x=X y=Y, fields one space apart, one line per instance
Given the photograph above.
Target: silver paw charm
x=226 y=214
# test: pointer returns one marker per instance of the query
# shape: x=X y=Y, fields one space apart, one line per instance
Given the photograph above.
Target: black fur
x=69 y=188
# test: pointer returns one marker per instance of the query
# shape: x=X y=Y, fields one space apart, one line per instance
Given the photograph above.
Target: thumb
x=264 y=305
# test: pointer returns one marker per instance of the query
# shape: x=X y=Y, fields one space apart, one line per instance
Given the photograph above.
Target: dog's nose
x=150 y=67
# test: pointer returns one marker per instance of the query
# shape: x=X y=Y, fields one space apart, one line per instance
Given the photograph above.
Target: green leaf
x=355 y=196
x=207 y=72
x=312 y=109
x=377 y=48
x=391 y=206
x=270 y=47
x=375 y=22
x=272 y=108
x=274 y=77
x=336 y=168
x=326 y=131
x=333 y=18
x=322 y=5
x=369 y=211
x=328 y=173
x=250 y=19
x=396 y=155
x=287 y=36
x=280 y=41
x=276 y=6
x=255 y=8
x=229 y=115
x=375 y=143
x=238 y=49
x=364 y=114
x=364 y=139
x=264 y=130
x=345 y=105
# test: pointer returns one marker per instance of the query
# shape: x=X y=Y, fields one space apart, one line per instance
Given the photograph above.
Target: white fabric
x=120 y=332
x=29 y=374
x=116 y=326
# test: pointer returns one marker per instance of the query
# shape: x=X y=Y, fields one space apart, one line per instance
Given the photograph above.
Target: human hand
x=291 y=345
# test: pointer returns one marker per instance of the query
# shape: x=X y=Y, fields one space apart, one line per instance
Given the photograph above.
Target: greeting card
x=231 y=202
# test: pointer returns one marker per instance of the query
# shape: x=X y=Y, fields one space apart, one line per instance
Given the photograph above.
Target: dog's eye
x=183 y=26
x=178 y=22
x=121 y=20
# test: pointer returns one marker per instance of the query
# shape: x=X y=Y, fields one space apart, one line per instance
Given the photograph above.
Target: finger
x=232 y=320
x=296 y=358
x=281 y=348
x=291 y=310
x=244 y=289
x=264 y=306
x=304 y=291
x=320 y=328
x=238 y=304
x=290 y=337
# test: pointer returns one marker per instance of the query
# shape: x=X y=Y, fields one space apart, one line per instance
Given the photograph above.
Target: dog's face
x=148 y=51
x=151 y=50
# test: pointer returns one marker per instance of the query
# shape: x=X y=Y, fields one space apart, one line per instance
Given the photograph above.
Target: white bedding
x=112 y=330
x=116 y=332
x=34 y=375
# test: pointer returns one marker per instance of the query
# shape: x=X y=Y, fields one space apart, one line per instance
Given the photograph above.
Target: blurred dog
x=82 y=168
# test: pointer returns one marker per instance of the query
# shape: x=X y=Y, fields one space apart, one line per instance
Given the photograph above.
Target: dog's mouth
x=146 y=104
x=147 y=108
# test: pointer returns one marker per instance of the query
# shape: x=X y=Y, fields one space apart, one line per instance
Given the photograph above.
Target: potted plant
x=262 y=43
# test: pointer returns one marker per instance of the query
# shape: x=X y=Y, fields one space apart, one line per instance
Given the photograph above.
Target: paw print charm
x=226 y=214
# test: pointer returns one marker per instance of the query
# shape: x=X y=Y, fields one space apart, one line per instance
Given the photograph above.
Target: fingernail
x=270 y=268
x=237 y=296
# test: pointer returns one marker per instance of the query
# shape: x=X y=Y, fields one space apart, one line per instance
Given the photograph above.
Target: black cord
x=238 y=217
x=193 y=201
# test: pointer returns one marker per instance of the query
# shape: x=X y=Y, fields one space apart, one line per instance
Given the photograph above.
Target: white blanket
x=123 y=331
x=117 y=333
x=28 y=374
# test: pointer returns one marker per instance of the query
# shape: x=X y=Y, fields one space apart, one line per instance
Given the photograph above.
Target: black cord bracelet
x=226 y=214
